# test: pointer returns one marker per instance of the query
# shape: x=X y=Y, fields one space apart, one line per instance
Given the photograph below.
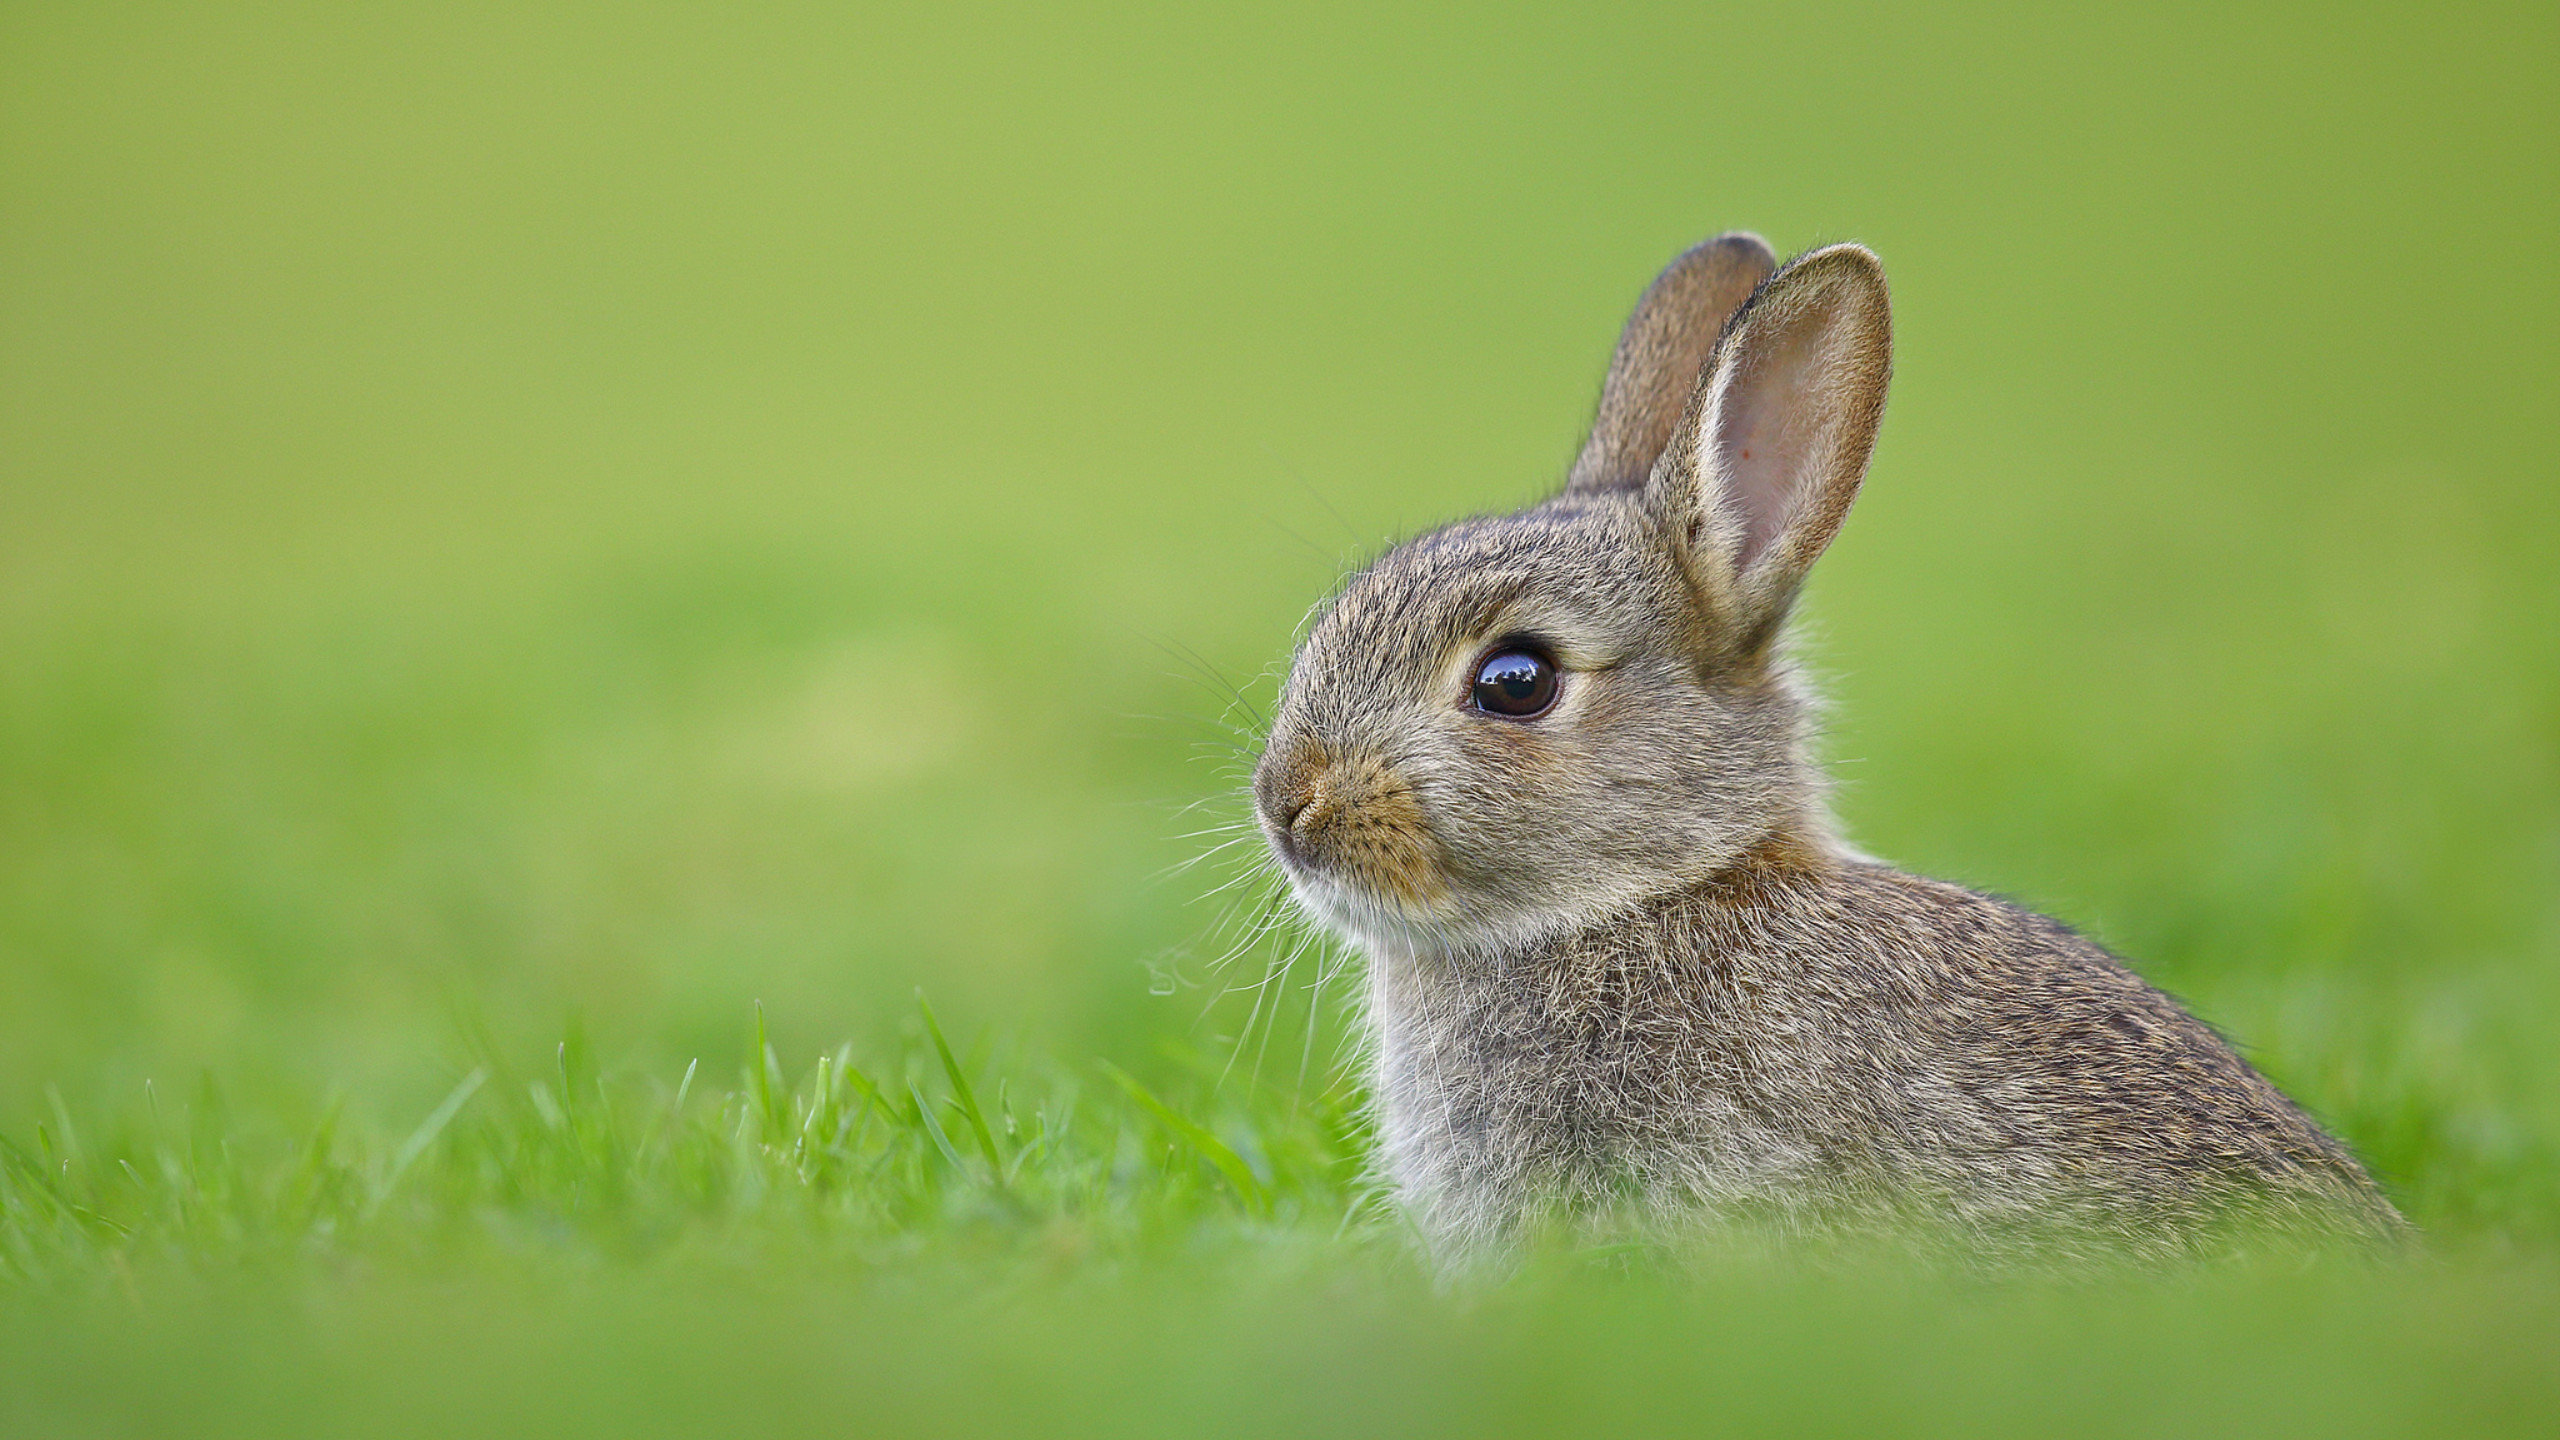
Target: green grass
x=686 y=531
x=889 y=1163
x=879 y=1247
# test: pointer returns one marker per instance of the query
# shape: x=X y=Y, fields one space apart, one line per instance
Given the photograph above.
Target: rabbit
x=1550 y=773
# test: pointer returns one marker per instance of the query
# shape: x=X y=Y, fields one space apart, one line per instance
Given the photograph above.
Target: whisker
x=1244 y=1036
x=1287 y=966
x=1319 y=551
x=1307 y=1048
x=1302 y=482
x=1181 y=867
x=1221 y=889
x=1254 y=931
x=1211 y=678
x=1203 y=802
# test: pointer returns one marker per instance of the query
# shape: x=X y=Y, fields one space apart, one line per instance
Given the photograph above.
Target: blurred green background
x=521 y=518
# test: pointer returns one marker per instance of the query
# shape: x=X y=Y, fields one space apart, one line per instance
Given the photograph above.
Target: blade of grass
x=1248 y=1187
x=768 y=1081
x=428 y=1129
x=870 y=1092
x=960 y=1087
x=821 y=1106
x=62 y=1122
x=665 y=1121
x=35 y=1171
x=933 y=1128
x=300 y=1193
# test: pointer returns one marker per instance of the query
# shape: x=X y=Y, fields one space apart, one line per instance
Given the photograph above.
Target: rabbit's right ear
x=1776 y=441
x=1662 y=355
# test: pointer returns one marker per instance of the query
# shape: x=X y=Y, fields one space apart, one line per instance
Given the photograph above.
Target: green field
x=559 y=565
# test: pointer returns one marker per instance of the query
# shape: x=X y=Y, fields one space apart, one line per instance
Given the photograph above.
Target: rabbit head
x=1521 y=725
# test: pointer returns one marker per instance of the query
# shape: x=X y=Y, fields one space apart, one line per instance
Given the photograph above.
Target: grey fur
x=1621 y=971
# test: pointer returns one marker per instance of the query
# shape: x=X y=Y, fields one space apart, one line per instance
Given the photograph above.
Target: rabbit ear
x=1661 y=355
x=1777 y=439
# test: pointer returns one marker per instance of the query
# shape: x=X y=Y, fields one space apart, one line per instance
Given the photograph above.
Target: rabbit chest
x=1668 y=1063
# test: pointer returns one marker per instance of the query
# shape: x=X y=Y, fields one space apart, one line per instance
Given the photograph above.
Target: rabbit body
x=1551 y=772
x=1817 y=1046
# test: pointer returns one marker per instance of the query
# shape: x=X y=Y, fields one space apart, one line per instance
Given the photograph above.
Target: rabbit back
x=1835 y=1046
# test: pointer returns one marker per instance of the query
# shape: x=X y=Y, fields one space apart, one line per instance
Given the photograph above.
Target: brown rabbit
x=1549 y=771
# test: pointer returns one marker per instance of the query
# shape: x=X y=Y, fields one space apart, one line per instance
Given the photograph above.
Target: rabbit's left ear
x=1773 y=447
x=1662 y=355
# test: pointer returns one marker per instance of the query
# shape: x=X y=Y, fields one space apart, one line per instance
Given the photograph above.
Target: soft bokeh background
x=522 y=517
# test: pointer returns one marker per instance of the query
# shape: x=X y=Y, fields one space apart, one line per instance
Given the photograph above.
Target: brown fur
x=1621 y=971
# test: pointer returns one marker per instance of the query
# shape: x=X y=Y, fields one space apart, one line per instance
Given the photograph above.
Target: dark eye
x=1515 y=684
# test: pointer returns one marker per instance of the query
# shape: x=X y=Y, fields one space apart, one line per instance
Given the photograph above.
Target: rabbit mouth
x=1353 y=823
x=1375 y=920
x=1370 y=895
x=1383 y=865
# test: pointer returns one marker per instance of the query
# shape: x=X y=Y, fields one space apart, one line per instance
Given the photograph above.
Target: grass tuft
x=588 y=1160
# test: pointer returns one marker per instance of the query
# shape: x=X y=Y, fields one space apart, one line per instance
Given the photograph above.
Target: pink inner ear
x=1774 y=429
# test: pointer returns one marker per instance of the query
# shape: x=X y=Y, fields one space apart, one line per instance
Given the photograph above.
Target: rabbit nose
x=1298 y=811
x=1286 y=784
x=1312 y=808
x=1316 y=793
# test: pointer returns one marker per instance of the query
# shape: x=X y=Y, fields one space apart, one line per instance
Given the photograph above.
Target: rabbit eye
x=1515 y=684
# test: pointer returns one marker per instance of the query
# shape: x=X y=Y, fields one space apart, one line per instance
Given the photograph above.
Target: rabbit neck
x=1801 y=850
x=1488 y=1069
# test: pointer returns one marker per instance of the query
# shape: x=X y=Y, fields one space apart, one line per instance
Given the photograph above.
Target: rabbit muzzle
x=1352 y=821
